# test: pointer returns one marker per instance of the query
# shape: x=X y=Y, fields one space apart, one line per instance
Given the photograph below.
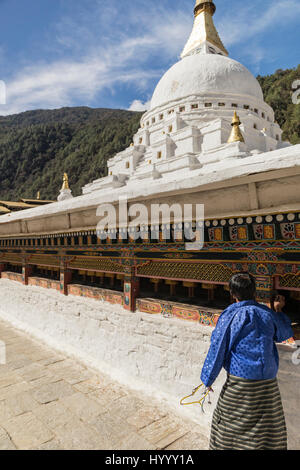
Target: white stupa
x=192 y=107
x=208 y=137
x=65 y=192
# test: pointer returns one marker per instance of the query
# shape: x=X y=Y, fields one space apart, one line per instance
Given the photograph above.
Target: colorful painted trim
x=192 y=313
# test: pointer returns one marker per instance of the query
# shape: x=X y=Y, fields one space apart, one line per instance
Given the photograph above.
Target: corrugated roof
x=15 y=204
x=36 y=201
x=4 y=210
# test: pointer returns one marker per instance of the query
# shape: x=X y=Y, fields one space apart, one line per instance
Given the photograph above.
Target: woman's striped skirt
x=249 y=416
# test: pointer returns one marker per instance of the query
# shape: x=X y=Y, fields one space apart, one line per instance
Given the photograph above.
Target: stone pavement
x=50 y=401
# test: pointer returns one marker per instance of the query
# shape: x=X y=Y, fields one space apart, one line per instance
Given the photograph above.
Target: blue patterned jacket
x=243 y=342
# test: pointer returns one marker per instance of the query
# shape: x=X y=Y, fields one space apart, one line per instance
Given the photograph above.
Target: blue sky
x=111 y=53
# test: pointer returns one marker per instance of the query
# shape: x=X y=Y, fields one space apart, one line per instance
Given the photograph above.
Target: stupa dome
x=205 y=74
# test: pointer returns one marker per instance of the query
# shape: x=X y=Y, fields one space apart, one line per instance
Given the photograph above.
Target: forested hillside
x=37 y=147
x=278 y=92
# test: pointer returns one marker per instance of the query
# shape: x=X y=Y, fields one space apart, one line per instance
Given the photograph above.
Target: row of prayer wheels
x=191 y=286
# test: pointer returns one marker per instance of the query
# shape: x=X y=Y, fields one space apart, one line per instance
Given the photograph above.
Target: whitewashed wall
x=160 y=356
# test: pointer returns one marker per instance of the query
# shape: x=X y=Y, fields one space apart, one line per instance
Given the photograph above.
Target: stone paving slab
x=145 y=416
x=84 y=407
x=5 y=441
x=26 y=431
x=20 y=404
x=52 y=391
x=164 y=432
x=51 y=402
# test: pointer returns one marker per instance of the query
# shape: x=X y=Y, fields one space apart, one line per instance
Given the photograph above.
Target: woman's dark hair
x=243 y=286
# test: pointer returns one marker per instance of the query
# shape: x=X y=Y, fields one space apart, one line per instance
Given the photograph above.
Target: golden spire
x=38 y=196
x=204 y=37
x=236 y=134
x=65 y=182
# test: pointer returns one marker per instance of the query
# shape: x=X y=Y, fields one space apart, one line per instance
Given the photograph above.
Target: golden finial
x=207 y=5
x=65 y=182
x=38 y=196
x=236 y=134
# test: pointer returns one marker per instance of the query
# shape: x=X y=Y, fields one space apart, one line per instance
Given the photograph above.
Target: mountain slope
x=37 y=147
x=277 y=89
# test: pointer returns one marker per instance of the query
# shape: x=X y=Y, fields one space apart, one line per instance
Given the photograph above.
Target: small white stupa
x=65 y=192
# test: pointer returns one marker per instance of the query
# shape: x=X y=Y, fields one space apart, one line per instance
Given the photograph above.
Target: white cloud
x=99 y=63
x=138 y=105
x=102 y=45
x=57 y=84
x=250 y=20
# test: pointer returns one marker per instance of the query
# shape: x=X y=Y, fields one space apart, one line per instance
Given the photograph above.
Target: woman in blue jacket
x=249 y=413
